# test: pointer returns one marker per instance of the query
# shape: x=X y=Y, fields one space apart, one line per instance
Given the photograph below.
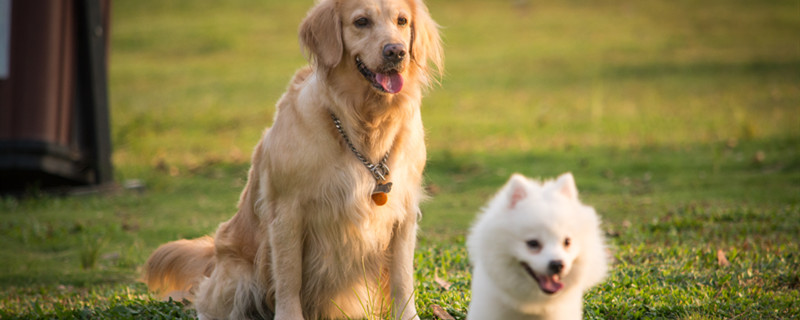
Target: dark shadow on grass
x=704 y=68
x=683 y=171
x=80 y=279
x=128 y=309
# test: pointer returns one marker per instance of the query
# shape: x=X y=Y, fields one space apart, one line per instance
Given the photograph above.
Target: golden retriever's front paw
x=294 y=314
x=407 y=315
x=285 y=316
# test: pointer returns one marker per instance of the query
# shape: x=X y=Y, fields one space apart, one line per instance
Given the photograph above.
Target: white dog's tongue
x=391 y=82
x=550 y=284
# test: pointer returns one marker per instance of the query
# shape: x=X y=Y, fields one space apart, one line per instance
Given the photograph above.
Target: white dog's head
x=546 y=250
x=539 y=233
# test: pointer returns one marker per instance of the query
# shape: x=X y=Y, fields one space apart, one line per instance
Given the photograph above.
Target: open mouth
x=390 y=82
x=549 y=284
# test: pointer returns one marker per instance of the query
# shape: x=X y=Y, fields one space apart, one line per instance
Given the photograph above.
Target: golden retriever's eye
x=401 y=21
x=567 y=242
x=361 y=22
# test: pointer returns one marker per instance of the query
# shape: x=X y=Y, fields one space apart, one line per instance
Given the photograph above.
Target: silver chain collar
x=380 y=170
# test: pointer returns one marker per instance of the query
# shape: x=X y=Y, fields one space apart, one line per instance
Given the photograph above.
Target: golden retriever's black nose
x=394 y=52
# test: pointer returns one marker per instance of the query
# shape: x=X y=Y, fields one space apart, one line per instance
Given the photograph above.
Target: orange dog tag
x=380 y=198
x=381 y=194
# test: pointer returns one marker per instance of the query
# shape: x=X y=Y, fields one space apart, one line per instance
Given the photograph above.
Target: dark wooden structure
x=54 y=118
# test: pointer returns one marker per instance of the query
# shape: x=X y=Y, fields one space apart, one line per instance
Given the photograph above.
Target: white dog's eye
x=567 y=241
x=361 y=22
x=401 y=21
x=533 y=244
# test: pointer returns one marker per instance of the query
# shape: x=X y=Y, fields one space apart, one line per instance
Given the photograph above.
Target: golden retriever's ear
x=426 y=45
x=321 y=35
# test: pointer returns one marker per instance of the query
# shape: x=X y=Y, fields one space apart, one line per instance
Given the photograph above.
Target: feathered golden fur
x=307 y=239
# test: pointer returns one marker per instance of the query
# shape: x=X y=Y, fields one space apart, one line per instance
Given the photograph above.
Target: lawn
x=679 y=119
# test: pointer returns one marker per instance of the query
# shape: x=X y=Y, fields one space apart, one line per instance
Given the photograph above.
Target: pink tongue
x=550 y=284
x=392 y=82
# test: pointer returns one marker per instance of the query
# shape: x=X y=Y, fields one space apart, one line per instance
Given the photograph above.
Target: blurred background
x=199 y=79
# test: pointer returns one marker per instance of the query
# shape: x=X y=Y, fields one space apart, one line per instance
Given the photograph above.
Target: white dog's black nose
x=555 y=266
x=394 y=52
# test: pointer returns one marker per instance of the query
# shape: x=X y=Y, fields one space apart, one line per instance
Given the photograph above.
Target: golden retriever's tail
x=176 y=268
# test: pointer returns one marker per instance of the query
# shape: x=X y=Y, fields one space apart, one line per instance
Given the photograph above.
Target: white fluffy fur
x=525 y=210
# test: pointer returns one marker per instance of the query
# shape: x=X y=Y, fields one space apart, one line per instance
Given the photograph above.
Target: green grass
x=679 y=119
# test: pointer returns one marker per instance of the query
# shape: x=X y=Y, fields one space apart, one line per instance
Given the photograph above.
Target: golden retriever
x=318 y=232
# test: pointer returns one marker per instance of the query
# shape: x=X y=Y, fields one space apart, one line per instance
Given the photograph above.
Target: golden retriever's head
x=385 y=42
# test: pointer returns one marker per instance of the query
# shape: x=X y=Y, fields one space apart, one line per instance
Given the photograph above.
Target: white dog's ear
x=516 y=189
x=321 y=35
x=565 y=185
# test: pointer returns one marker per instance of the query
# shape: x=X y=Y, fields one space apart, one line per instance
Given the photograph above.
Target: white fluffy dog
x=535 y=250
